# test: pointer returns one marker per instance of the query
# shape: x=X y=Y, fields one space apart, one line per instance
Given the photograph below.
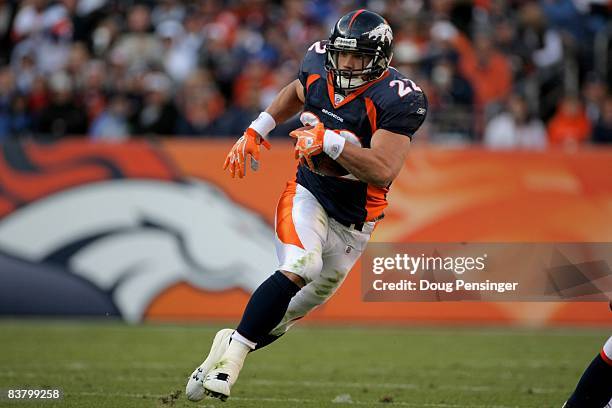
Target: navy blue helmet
x=366 y=34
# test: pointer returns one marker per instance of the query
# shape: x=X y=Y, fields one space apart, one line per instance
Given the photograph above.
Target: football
x=325 y=165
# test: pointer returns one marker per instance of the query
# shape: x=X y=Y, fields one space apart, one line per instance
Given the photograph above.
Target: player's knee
x=307 y=267
x=295 y=278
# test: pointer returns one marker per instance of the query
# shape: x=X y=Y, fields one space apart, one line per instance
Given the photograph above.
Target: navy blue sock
x=268 y=339
x=594 y=389
x=267 y=307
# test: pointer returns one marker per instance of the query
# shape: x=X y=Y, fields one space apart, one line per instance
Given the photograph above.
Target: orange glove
x=309 y=143
x=247 y=145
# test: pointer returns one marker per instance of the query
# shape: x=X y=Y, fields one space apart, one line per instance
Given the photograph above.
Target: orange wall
x=441 y=195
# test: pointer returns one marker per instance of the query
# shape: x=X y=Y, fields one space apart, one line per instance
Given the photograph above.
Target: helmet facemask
x=373 y=65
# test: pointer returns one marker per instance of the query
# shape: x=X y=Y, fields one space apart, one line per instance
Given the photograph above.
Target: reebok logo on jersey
x=333 y=115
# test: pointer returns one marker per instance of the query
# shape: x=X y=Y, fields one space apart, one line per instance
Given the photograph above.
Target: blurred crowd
x=503 y=73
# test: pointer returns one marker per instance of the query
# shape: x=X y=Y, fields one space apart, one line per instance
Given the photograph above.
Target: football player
x=594 y=390
x=363 y=114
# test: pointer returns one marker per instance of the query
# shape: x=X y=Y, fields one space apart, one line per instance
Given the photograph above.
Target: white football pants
x=314 y=246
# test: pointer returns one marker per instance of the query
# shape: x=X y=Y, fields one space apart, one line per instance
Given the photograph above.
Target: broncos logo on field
x=107 y=237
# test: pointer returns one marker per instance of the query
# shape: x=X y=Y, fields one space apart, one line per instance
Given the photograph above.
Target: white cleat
x=194 y=389
x=221 y=378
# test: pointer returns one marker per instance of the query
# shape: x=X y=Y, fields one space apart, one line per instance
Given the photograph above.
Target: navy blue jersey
x=392 y=102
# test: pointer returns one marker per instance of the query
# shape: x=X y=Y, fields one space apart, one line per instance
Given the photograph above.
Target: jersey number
x=404 y=87
x=318 y=47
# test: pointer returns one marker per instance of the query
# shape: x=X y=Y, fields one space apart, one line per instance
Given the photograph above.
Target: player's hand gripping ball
x=309 y=151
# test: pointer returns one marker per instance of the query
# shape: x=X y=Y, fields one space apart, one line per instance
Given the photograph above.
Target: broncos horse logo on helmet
x=366 y=34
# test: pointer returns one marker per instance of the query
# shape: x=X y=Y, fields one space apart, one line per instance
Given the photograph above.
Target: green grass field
x=116 y=365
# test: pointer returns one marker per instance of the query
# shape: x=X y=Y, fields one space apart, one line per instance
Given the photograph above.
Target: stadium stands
x=115 y=69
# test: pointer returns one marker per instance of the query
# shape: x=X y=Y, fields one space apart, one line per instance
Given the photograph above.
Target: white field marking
x=293 y=400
